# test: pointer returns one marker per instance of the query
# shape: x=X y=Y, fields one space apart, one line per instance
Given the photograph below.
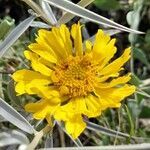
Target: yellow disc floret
x=75 y=76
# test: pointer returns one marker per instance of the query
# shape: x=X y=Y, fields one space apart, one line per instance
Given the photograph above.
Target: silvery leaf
x=68 y=16
x=10 y=114
x=37 y=10
x=48 y=11
x=143 y=146
x=87 y=14
x=39 y=24
x=12 y=137
x=15 y=34
x=106 y=131
x=2 y=119
x=11 y=93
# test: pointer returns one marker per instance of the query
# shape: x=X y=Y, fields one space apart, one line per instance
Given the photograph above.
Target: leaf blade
x=68 y=16
x=39 y=24
x=12 y=137
x=87 y=14
x=15 y=34
x=10 y=114
x=48 y=11
x=106 y=131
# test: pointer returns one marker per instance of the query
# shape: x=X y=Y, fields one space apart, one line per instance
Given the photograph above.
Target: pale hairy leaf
x=10 y=114
x=68 y=16
x=39 y=12
x=143 y=146
x=15 y=34
x=39 y=24
x=87 y=14
x=48 y=11
x=12 y=137
x=143 y=93
x=2 y=119
x=106 y=131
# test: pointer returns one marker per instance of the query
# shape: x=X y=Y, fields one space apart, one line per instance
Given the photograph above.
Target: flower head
x=73 y=80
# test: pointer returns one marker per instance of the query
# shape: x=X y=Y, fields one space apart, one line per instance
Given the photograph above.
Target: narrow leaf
x=10 y=114
x=2 y=119
x=143 y=93
x=39 y=24
x=106 y=131
x=143 y=146
x=145 y=82
x=132 y=131
x=48 y=11
x=68 y=16
x=12 y=137
x=15 y=34
x=11 y=93
x=87 y=14
x=38 y=10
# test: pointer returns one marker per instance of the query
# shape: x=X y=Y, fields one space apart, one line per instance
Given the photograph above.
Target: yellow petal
x=103 y=47
x=47 y=38
x=77 y=37
x=58 y=40
x=43 y=51
x=34 y=107
x=79 y=105
x=61 y=115
x=110 y=50
x=62 y=112
x=88 y=46
x=55 y=41
x=36 y=65
x=65 y=35
x=28 y=75
x=36 y=84
x=41 y=109
x=75 y=126
x=111 y=97
x=41 y=114
x=49 y=120
x=115 y=82
x=29 y=79
x=93 y=106
x=45 y=91
x=104 y=78
x=116 y=65
x=20 y=88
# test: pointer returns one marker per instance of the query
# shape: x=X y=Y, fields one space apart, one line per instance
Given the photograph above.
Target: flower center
x=75 y=76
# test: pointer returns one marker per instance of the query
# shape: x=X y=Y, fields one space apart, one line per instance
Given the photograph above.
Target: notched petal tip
x=75 y=127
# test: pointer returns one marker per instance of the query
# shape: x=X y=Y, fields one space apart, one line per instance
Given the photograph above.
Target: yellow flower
x=73 y=80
